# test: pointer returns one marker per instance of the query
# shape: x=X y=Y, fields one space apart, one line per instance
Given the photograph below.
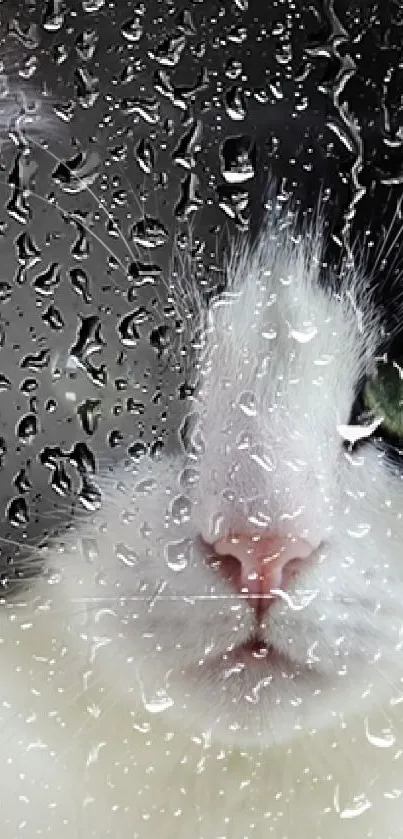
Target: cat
x=225 y=659
x=216 y=650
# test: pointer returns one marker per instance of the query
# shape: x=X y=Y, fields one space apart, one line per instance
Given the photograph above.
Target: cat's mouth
x=255 y=649
x=255 y=653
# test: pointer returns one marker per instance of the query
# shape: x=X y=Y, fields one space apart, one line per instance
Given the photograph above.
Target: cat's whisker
x=17 y=544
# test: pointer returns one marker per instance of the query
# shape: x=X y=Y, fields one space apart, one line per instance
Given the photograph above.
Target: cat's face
x=265 y=455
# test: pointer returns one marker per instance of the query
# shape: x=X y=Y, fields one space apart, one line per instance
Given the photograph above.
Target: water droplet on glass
x=181 y=508
x=137 y=450
x=233 y=69
x=303 y=336
x=17 y=512
x=5 y=383
x=178 y=554
x=190 y=436
x=90 y=495
x=298 y=600
x=134 y=407
x=247 y=403
x=262 y=458
x=53 y=17
x=146 y=487
x=158 y=703
x=27 y=428
x=127 y=328
x=49 y=456
x=238 y=34
x=28 y=254
x=89 y=339
x=60 y=53
x=359 y=805
x=5 y=291
x=160 y=339
x=86 y=43
x=90 y=549
x=126 y=555
x=65 y=110
x=189 y=201
x=91 y=6
x=21 y=179
x=169 y=51
x=18 y=207
x=129 y=72
x=36 y=361
x=22 y=482
x=86 y=86
x=23 y=172
x=77 y=173
x=362 y=529
x=81 y=284
x=188 y=146
x=143 y=273
x=132 y=29
x=382 y=740
x=235 y=103
x=46 y=282
x=149 y=233
x=145 y=156
x=185 y=22
x=189 y=477
x=238 y=159
x=147 y=109
x=89 y=413
x=217 y=524
x=53 y=317
x=81 y=247
x=82 y=458
x=29 y=67
x=29 y=386
x=4 y=86
x=115 y=438
x=28 y=36
x=60 y=481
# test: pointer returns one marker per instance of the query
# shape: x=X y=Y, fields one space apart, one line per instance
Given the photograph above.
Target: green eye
x=383 y=396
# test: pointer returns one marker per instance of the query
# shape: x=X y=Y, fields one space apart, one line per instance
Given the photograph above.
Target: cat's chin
x=254 y=695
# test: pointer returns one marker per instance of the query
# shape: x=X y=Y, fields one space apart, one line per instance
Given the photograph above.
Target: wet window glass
x=201 y=361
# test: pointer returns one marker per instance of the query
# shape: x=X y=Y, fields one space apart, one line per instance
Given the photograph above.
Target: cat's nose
x=260 y=566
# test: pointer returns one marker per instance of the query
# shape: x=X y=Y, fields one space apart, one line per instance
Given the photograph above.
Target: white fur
x=116 y=721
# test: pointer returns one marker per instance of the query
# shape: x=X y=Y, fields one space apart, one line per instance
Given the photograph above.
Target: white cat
x=217 y=651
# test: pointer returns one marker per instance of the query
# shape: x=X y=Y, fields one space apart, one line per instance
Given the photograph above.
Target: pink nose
x=259 y=566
